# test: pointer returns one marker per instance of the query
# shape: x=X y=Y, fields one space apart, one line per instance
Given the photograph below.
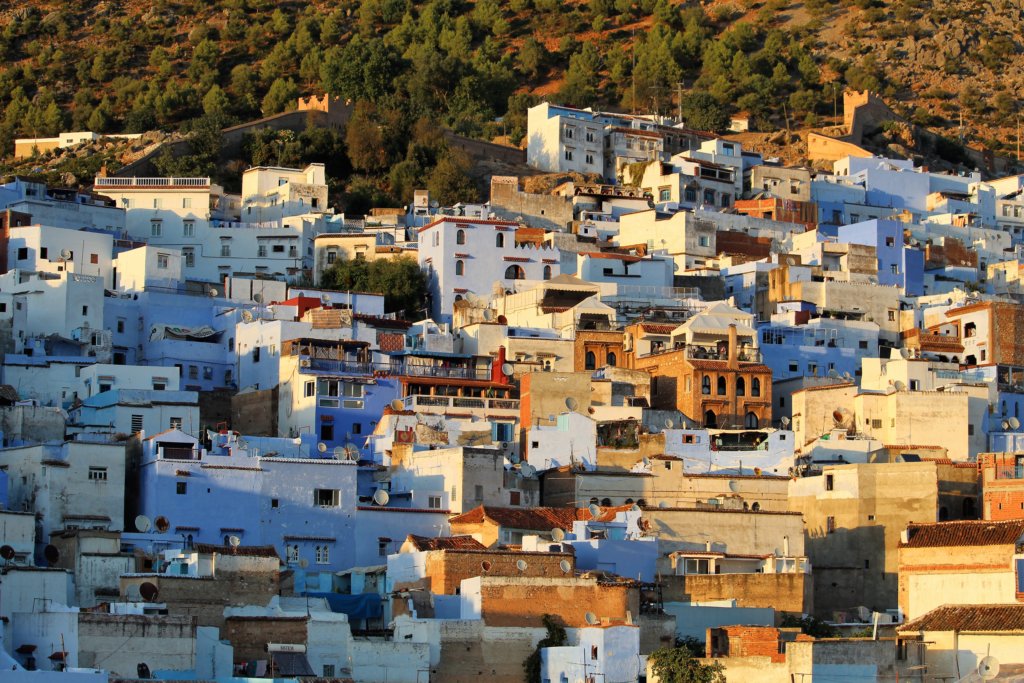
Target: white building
x=270 y=193
x=65 y=304
x=149 y=267
x=48 y=249
x=466 y=258
x=689 y=240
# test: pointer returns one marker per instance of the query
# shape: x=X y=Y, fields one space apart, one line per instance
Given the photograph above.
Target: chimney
x=497 y=375
x=733 y=364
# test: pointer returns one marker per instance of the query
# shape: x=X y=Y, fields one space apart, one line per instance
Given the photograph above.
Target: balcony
x=338 y=367
x=439 y=371
x=155 y=183
x=178 y=453
x=491 y=407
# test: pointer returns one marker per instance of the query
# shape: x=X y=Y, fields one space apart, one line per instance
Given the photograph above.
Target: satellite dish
x=397 y=404
x=148 y=591
x=565 y=566
x=66 y=254
x=143 y=524
x=381 y=497
x=646 y=461
x=507 y=369
x=784 y=421
x=338 y=452
x=325 y=298
x=790 y=261
x=734 y=486
x=51 y=554
x=592 y=619
x=322 y=447
x=595 y=511
x=572 y=404
x=7 y=552
x=247 y=316
x=1014 y=423
x=837 y=416
x=162 y=524
x=242 y=445
x=904 y=352
x=351 y=451
x=988 y=668
x=257 y=298
x=847 y=376
x=521 y=565
x=900 y=386
x=214 y=292
x=234 y=541
x=669 y=423
x=557 y=535
x=834 y=374
x=527 y=470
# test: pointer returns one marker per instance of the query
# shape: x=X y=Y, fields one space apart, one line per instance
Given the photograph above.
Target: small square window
x=274 y=502
x=181 y=488
x=94 y=259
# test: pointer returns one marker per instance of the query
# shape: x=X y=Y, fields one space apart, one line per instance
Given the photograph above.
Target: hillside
x=133 y=66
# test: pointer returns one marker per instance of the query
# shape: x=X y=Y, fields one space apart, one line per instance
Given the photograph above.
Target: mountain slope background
x=130 y=66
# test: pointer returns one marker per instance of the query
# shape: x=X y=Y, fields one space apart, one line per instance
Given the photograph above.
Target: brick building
x=497 y=525
x=1002 y=485
x=595 y=349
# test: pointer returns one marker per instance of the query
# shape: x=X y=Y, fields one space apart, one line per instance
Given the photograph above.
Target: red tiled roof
x=533 y=519
x=449 y=543
x=705 y=364
x=657 y=328
x=965 y=533
x=466 y=221
x=969 y=618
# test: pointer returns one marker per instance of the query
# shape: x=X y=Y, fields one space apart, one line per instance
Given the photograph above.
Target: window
x=44 y=253
x=175 y=423
x=499 y=240
x=256 y=354
x=696 y=566
x=741 y=387
x=158 y=203
x=590 y=361
x=193 y=372
x=326 y=498
x=274 y=502
x=188 y=229
x=721 y=385
x=225 y=249
x=547 y=272
x=97 y=474
x=705 y=241
x=22 y=253
x=136 y=424
x=568 y=133
x=326 y=431
x=515 y=273
x=705 y=385
x=155 y=228
x=664 y=194
x=568 y=155
x=190 y=257
x=261 y=251
x=382 y=548
x=895 y=269
x=120 y=324
x=181 y=487
x=460 y=237
x=434 y=502
x=862 y=344
x=611 y=360
x=690 y=194
x=794 y=366
x=460 y=267
x=186 y=202
x=322 y=554
x=709 y=197
x=890 y=241
x=310 y=389
x=513 y=498
x=162 y=261
x=892 y=316
x=293 y=553
x=830 y=524
x=590 y=158
x=829 y=482
x=85 y=310
x=755 y=387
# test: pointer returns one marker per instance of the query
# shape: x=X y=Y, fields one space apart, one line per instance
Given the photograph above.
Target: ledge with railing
x=478 y=403
x=151 y=182
x=699 y=352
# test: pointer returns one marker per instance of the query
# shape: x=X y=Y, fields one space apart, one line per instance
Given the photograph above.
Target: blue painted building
x=799 y=343
x=899 y=265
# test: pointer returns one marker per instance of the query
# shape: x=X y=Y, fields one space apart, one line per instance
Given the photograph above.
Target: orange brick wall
x=524 y=603
x=601 y=343
x=746 y=641
x=1002 y=499
x=447 y=569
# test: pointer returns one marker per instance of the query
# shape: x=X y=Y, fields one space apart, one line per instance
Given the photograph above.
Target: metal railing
x=152 y=182
x=473 y=402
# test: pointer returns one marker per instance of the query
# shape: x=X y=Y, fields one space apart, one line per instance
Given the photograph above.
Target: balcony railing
x=171 y=453
x=463 y=402
x=345 y=367
x=152 y=182
x=341 y=367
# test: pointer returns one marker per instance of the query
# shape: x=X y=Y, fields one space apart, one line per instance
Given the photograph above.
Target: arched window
x=710 y=420
x=750 y=421
x=460 y=267
x=756 y=507
x=755 y=387
x=458 y=297
x=721 y=385
x=590 y=361
x=970 y=330
x=188 y=541
x=499 y=240
x=741 y=387
x=460 y=237
x=611 y=359
x=515 y=273
x=547 y=272
x=705 y=385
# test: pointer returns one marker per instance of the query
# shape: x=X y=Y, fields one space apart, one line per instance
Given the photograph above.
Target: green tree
x=582 y=77
x=215 y=101
x=449 y=182
x=400 y=280
x=282 y=94
x=678 y=665
x=556 y=637
x=703 y=112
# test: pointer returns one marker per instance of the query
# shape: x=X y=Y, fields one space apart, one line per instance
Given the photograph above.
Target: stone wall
x=255 y=412
x=249 y=635
x=447 y=569
x=523 y=602
x=786 y=593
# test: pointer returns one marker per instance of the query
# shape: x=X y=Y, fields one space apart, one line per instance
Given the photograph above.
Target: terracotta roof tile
x=532 y=519
x=977 y=618
x=449 y=543
x=705 y=364
x=965 y=533
x=658 y=328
